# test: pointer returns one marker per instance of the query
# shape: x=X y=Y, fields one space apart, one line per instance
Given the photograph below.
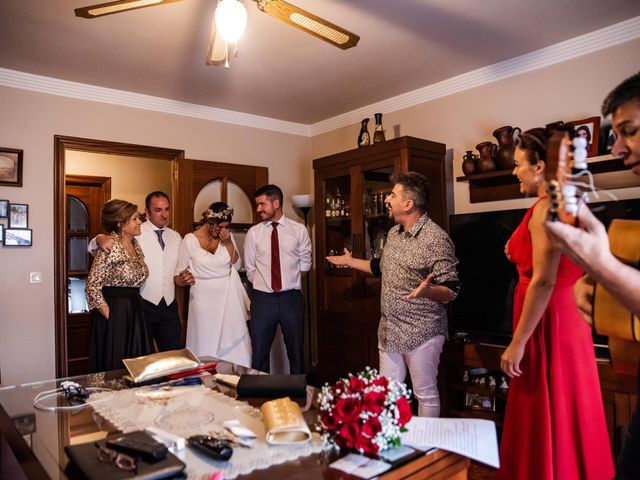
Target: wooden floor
x=478 y=471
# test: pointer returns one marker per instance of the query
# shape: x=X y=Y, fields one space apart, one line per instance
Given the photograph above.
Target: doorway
x=181 y=216
x=85 y=196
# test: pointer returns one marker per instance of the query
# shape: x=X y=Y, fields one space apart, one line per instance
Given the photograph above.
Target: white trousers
x=422 y=364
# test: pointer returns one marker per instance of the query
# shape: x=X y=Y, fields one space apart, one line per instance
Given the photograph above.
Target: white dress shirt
x=295 y=254
x=161 y=263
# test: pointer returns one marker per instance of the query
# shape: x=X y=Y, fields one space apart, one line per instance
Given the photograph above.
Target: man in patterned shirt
x=418 y=269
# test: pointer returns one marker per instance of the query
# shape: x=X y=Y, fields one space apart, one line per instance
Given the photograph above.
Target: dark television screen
x=485 y=303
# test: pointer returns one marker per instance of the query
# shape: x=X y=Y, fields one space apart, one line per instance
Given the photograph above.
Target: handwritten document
x=469 y=437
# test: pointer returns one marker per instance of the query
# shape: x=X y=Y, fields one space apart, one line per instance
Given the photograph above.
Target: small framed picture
x=18 y=237
x=4 y=208
x=477 y=401
x=607 y=139
x=1 y=233
x=10 y=167
x=18 y=215
x=589 y=128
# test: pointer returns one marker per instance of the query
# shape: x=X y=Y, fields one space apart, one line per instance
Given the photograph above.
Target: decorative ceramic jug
x=363 y=137
x=504 y=155
x=486 y=162
x=469 y=163
x=378 y=133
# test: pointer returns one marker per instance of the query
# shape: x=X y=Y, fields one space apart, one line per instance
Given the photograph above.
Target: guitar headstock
x=563 y=154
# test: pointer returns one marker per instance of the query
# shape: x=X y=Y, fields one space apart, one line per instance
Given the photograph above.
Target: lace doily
x=187 y=411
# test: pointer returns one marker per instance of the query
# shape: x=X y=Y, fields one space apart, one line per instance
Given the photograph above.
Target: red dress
x=554 y=426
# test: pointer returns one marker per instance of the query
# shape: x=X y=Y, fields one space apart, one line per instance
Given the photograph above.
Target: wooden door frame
x=248 y=177
x=181 y=213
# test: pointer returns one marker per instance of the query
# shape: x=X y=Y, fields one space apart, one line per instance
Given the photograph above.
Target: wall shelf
x=502 y=185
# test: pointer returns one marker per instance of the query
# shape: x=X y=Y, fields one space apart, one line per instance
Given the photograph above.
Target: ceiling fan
x=222 y=35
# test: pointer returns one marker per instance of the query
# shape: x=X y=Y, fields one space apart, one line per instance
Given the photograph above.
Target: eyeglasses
x=121 y=460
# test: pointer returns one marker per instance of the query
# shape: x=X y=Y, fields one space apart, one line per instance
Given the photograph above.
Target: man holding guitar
x=588 y=246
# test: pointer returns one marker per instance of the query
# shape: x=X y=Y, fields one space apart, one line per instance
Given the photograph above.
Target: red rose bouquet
x=366 y=412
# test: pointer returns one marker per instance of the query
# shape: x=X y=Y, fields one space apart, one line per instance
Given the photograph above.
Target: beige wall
x=131 y=177
x=568 y=91
x=29 y=121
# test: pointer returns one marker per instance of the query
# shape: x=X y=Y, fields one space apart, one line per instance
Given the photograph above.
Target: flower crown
x=227 y=212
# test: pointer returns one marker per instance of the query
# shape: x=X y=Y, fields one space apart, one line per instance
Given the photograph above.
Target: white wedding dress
x=218 y=303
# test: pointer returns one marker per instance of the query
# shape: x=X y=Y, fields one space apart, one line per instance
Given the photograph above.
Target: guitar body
x=610 y=317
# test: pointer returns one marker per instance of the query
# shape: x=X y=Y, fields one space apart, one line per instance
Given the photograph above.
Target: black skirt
x=123 y=335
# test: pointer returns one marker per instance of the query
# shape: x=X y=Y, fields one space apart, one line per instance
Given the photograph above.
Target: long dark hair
x=535 y=141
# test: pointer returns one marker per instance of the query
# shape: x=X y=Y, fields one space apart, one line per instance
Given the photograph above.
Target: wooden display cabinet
x=350 y=188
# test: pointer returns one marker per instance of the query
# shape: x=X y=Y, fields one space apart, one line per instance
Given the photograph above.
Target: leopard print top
x=117 y=268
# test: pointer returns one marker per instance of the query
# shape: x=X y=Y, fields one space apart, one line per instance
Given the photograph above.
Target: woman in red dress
x=554 y=426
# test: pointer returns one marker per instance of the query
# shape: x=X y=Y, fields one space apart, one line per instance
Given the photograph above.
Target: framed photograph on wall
x=18 y=237
x=10 y=167
x=18 y=215
x=589 y=128
x=4 y=208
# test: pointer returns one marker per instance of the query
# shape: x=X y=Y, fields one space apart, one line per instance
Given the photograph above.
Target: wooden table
x=32 y=442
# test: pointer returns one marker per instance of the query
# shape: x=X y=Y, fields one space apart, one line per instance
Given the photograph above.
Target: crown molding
x=560 y=52
x=92 y=93
x=585 y=44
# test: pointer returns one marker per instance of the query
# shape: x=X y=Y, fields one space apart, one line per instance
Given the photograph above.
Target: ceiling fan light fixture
x=102 y=9
x=230 y=19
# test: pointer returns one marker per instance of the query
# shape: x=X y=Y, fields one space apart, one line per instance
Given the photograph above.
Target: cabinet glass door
x=337 y=213
x=375 y=188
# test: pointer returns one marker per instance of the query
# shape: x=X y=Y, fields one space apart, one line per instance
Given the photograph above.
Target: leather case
x=85 y=464
x=272 y=386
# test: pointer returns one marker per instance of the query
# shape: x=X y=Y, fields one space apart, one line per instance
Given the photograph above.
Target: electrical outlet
x=35 y=277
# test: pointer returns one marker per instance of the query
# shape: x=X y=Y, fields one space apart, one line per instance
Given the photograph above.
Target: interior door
x=84 y=199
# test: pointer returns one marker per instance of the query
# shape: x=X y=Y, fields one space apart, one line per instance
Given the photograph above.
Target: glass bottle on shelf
x=327 y=208
x=338 y=203
x=378 y=133
x=363 y=137
x=380 y=207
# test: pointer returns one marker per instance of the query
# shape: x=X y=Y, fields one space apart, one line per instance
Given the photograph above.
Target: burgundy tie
x=276 y=276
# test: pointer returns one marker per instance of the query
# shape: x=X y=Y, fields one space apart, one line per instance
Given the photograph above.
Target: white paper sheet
x=360 y=466
x=470 y=437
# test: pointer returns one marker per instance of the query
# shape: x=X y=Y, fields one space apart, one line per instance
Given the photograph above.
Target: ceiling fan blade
x=217 y=54
x=118 y=6
x=310 y=23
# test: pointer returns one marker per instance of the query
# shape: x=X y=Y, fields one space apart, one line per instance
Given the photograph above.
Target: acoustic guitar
x=610 y=317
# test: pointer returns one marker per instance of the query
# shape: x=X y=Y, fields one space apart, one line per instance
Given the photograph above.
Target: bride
x=218 y=303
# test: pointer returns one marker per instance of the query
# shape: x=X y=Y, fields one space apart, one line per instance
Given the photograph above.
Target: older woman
x=218 y=303
x=118 y=328
x=554 y=424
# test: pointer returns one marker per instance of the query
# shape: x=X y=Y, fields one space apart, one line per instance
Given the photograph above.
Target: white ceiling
x=281 y=72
